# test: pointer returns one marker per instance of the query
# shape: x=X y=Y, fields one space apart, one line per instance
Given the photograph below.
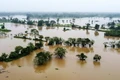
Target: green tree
x=79 y=40
x=30 y=22
x=42 y=58
x=15 y=20
x=40 y=23
x=39 y=45
x=60 y=52
x=57 y=40
x=3 y=26
x=97 y=57
x=97 y=26
x=58 y=21
x=81 y=56
x=18 y=49
x=47 y=23
x=14 y=55
x=47 y=38
x=87 y=26
x=41 y=37
x=52 y=22
x=31 y=46
x=51 y=41
x=3 y=57
x=35 y=32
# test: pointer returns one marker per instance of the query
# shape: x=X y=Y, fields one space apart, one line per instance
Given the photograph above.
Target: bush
x=42 y=58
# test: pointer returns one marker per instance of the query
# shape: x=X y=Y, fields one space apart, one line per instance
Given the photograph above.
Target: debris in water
x=6 y=76
x=56 y=69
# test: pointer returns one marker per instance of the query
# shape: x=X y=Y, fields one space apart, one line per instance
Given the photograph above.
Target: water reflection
x=42 y=68
x=87 y=32
x=82 y=63
x=96 y=33
x=72 y=49
x=96 y=64
x=52 y=48
x=85 y=50
x=18 y=62
x=40 y=28
x=4 y=65
x=113 y=38
x=60 y=62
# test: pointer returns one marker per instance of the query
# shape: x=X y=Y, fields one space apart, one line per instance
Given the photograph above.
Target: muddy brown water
x=69 y=68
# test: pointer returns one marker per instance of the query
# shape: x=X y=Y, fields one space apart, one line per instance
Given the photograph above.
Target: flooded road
x=69 y=68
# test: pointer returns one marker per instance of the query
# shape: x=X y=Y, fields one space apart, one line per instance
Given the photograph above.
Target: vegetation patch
x=5 y=30
x=18 y=53
x=115 y=33
x=42 y=58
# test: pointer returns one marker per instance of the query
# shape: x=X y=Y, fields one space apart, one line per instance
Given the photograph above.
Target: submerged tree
x=60 y=52
x=18 y=49
x=47 y=38
x=40 y=23
x=81 y=56
x=39 y=45
x=97 y=57
x=35 y=32
x=3 y=26
x=30 y=22
x=3 y=57
x=87 y=26
x=42 y=58
x=97 y=26
x=41 y=37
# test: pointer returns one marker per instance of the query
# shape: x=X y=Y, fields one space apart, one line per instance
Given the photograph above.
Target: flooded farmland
x=69 y=68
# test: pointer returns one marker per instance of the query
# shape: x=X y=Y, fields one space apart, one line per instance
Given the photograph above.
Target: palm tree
x=96 y=57
x=60 y=52
x=81 y=56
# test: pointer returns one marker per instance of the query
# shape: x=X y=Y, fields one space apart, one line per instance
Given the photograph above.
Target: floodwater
x=69 y=68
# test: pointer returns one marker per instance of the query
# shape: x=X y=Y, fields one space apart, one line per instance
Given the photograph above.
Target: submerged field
x=69 y=68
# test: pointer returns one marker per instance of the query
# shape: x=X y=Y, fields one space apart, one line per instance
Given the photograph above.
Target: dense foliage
x=42 y=58
x=81 y=56
x=97 y=57
x=115 y=33
x=18 y=53
x=60 y=52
